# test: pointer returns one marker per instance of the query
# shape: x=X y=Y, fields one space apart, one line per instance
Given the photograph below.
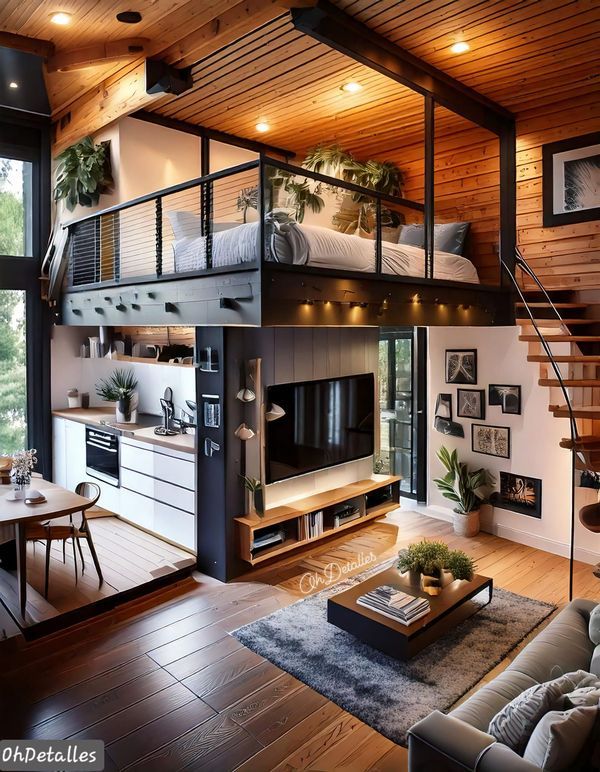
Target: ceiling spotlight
x=307 y=302
x=352 y=87
x=358 y=304
x=13 y=84
x=262 y=126
x=460 y=47
x=129 y=17
x=61 y=18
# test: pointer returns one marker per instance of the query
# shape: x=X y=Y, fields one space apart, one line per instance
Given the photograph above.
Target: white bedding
x=318 y=247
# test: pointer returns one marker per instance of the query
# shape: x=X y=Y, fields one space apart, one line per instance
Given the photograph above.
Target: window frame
x=21 y=272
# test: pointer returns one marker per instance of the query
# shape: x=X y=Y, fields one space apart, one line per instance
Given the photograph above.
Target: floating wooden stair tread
x=589 y=359
x=572 y=383
x=562 y=338
x=554 y=322
x=584 y=442
x=579 y=411
x=556 y=305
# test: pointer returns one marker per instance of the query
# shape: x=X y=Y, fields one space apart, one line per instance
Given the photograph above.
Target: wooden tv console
x=362 y=495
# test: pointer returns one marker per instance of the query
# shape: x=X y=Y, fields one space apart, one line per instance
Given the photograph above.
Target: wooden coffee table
x=448 y=609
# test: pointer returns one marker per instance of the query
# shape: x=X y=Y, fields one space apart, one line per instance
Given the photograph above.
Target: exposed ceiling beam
x=219 y=136
x=36 y=46
x=125 y=91
x=331 y=26
x=101 y=53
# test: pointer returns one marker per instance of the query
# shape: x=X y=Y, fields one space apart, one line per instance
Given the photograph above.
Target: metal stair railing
x=522 y=264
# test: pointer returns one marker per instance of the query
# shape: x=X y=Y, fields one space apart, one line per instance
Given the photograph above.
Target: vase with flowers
x=22 y=466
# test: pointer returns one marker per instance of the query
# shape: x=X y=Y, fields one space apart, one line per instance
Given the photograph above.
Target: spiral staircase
x=562 y=334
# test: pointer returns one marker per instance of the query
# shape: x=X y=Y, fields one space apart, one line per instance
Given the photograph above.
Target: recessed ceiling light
x=460 y=47
x=352 y=87
x=262 y=126
x=13 y=84
x=61 y=18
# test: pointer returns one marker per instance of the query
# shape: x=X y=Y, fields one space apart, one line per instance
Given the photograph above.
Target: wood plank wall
x=566 y=257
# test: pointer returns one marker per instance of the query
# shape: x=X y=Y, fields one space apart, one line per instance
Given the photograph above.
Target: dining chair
x=65 y=528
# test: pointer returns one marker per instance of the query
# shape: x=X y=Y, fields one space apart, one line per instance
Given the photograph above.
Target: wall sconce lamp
x=274 y=412
x=244 y=433
x=245 y=395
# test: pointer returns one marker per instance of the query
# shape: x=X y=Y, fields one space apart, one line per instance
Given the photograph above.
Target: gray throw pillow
x=513 y=725
x=595 y=663
x=557 y=740
x=447 y=237
x=594 y=631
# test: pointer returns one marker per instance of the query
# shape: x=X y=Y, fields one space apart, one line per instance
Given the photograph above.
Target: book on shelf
x=395 y=604
x=311 y=525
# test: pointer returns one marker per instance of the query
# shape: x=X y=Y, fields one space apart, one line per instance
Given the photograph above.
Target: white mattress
x=318 y=247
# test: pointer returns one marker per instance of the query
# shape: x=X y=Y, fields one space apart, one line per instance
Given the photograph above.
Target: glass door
x=402 y=389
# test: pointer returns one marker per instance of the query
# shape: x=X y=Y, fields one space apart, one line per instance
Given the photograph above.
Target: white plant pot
x=466 y=525
x=123 y=417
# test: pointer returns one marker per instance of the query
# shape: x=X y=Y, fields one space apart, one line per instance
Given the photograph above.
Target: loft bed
x=233 y=247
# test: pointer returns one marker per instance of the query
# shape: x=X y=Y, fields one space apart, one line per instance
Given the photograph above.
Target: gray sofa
x=459 y=740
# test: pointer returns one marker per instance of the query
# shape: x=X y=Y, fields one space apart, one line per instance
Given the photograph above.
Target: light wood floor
x=128 y=556
x=166 y=687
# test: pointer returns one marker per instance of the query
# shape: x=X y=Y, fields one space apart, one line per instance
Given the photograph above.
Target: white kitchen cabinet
x=75 y=454
x=59 y=451
x=170 y=494
x=159 y=463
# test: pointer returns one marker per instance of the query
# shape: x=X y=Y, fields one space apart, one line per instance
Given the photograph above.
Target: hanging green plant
x=83 y=173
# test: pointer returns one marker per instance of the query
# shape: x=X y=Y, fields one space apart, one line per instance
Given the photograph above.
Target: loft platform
x=265 y=243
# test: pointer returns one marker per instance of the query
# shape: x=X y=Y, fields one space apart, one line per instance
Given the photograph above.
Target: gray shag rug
x=384 y=693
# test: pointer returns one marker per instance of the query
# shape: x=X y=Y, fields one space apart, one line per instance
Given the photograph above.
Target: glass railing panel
x=317 y=223
x=466 y=199
x=137 y=234
x=402 y=240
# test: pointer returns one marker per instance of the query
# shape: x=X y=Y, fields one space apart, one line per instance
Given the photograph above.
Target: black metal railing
x=177 y=231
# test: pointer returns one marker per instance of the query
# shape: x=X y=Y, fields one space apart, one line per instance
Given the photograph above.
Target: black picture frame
x=443 y=401
x=466 y=372
x=507 y=396
x=555 y=168
x=519 y=493
x=478 y=415
x=494 y=440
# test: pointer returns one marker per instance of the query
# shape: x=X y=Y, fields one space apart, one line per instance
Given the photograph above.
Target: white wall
x=535 y=437
x=68 y=370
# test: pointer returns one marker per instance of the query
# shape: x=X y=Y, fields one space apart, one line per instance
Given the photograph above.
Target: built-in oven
x=102 y=455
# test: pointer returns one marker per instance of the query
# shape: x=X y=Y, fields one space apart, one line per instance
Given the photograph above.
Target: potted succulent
x=121 y=387
x=435 y=565
x=465 y=488
x=83 y=173
x=256 y=495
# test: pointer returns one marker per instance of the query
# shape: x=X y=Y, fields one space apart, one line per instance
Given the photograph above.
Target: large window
x=15 y=207
x=13 y=383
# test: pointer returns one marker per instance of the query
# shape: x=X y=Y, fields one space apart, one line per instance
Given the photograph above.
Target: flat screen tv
x=326 y=422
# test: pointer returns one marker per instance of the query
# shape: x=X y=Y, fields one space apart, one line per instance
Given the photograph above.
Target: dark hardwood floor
x=166 y=687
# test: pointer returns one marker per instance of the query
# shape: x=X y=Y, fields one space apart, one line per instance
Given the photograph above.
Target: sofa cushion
x=482 y=706
x=559 y=737
x=514 y=724
x=595 y=663
x=594 y=626
x=562 y=647
x=587 y=693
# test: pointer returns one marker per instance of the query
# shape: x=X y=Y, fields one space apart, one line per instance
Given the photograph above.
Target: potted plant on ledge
x=465 y=488
x=121 y=388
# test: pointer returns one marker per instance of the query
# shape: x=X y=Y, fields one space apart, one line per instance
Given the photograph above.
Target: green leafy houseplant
x=83 y=173
x=120 y=387
x=431 y=558
x=301 y=194
x=459 y=484
x=383 y=176
x=256 y=490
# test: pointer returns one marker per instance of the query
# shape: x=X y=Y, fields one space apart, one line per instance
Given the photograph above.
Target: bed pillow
x=514 y=724
x=447 y=237
x=559 y=737
x=185 y=225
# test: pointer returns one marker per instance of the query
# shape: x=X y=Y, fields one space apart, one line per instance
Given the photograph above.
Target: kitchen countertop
x=142 y=432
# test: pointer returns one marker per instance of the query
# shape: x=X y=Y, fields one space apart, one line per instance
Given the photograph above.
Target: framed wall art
x=490 y=440
x=508 y=397
x=470 y=403
x=571 y=180
x=461 y=366
x=519 y=493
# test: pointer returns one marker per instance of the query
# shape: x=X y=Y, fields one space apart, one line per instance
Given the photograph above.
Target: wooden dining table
x=59 y=502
